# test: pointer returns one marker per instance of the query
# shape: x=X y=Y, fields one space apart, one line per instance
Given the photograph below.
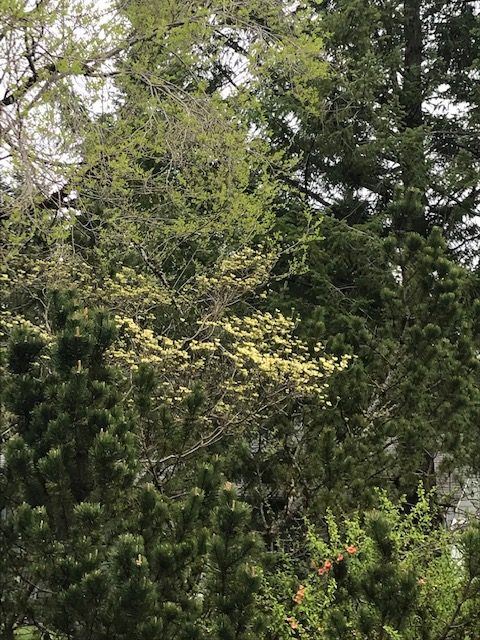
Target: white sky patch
x=441 y=104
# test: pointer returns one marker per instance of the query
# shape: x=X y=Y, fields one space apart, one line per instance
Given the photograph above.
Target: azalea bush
x=391 y=573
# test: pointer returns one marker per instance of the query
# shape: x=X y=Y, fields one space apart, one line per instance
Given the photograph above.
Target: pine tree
x=234 y=578
x=91 y=548
x=392 y=282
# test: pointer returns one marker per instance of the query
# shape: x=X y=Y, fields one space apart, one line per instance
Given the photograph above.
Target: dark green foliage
x=116 y=520
x=232 y=584
x=90 y=548
x=394 y=280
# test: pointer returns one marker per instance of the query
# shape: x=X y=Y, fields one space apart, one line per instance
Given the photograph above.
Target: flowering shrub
x=388 y=574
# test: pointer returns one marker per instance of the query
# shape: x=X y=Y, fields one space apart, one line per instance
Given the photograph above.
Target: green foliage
x=407 y=311
x=89 y=546
x=275 y=205
x=390 y=573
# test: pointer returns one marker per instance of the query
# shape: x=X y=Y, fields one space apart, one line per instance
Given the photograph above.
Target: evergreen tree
x=91 y=548
x=388 y=283
x=237 y=124
x=398 y=107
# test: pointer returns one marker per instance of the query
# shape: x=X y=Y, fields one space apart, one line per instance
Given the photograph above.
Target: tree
x=396 y=110
x=383 y=285
x=278 y=221
x=136 y=172
x=92 y=548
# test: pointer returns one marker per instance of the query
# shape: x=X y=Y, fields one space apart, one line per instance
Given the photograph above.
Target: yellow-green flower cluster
x=10 y=321
x=134 y=292
x=264 y=346
x=243 y=359
x=137 y=345
x=242 y=271
x=61 y=269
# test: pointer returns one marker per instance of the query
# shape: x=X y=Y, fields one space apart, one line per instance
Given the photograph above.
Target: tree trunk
x=7 y=633
x=412 y=95
x=412 y=154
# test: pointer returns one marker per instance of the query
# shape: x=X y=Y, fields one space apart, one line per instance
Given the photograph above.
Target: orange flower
x=292 y=622
x=299 y=596
x=340 y=557
x=351 y=549
x=327 y=565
